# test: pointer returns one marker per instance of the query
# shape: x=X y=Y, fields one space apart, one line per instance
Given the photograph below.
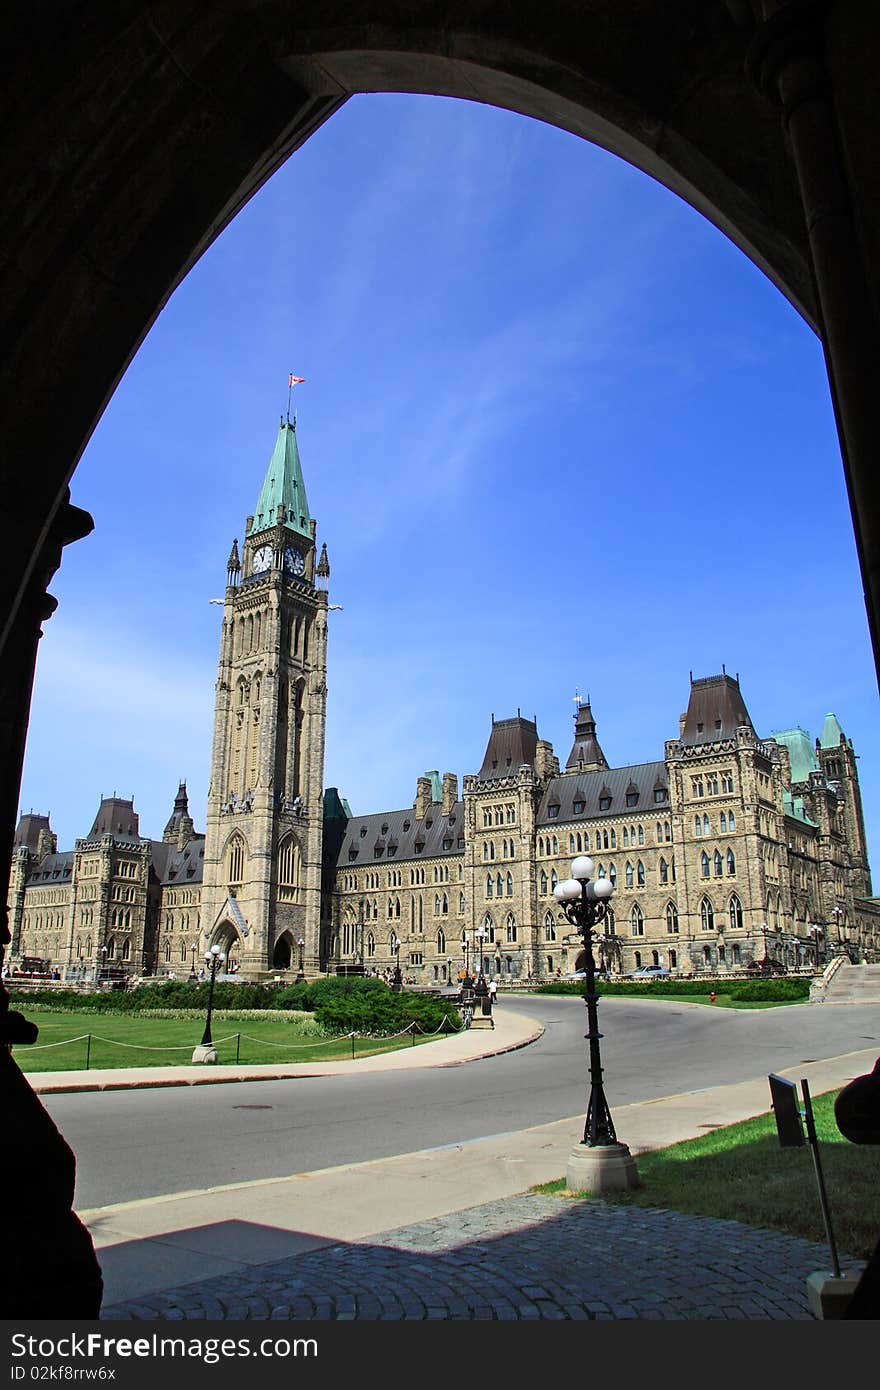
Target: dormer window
x=384 y=829
x=578 y=808
x=406 y=825
x=553 y=810
x=447 y=843
x=363 y=831
x=604 y=803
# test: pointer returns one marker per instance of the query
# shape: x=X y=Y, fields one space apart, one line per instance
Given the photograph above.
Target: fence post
x=413 y=1036
x=237 y=1047
x=352 y=1047
x=88 y=1049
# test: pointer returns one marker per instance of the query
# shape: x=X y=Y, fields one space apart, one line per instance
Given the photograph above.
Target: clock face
x=294 y=560
x=262 y=559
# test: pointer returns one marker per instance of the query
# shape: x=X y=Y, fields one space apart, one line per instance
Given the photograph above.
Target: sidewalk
x=454 y=1232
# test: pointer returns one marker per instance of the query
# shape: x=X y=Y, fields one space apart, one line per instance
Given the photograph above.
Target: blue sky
x=558 y=434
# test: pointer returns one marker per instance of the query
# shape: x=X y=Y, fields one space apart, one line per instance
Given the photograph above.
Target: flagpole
x=291 y=382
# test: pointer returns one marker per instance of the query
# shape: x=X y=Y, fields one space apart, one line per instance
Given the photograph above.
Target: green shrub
x=746 y=991
x=352 y=1004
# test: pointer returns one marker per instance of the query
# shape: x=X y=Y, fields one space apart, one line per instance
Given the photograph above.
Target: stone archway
x=282 y=955
x=764 y=117
x=227 y=938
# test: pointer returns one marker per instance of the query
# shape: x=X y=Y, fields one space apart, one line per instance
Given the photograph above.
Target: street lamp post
x=600 y=1163
x=481 y=989
x=838 y=914
x=448 y=971
x=206 y=1052
x=301 y=974
x=192 y=970
x=396 y=979
x=482 y=936
x=466 y=946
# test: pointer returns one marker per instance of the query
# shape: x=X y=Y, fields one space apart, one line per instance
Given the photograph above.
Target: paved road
x=132 y=1145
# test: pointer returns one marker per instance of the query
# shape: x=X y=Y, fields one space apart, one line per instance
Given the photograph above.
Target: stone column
x=819 y=64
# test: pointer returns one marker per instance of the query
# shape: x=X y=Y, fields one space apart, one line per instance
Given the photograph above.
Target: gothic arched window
x=235 y=861
x=289 y=870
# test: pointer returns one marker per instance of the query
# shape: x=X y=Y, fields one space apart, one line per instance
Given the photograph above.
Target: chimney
x=682 y=720
x=546 y=762
x=450 y=792
x=47 y=843
x=423 y=797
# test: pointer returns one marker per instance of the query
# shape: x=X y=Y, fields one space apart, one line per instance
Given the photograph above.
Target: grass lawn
x=124 y=1040
x=721 y=1001
x=740 y=1173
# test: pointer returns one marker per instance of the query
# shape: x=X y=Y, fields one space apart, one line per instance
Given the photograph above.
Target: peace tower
x=261 y=894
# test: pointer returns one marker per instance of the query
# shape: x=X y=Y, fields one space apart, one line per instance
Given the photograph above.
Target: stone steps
x=855 y=984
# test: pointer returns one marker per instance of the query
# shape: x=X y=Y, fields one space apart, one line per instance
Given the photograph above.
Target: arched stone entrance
x=764 y=117
x=282 y=956
x=227 y=938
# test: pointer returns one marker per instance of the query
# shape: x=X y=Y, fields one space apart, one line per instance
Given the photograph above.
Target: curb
x=212 y=1079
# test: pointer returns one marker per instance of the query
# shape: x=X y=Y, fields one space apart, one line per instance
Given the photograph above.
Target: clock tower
x=261 y=894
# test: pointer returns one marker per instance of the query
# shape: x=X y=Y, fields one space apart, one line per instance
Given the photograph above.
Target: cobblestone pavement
x=530 y=1257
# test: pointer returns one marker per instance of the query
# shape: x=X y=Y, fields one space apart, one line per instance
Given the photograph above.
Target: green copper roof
x=793 y=806
x=436 y=786
x=283 y=485
x=831 y=732
x=336 y=807
x=800 y=751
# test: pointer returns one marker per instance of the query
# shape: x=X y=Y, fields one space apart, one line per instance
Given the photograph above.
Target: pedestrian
x=493 y=990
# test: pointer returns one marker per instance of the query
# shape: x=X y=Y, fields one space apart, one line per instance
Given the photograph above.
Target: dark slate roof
x=52 y=868
x=173 y=866
x=115 y=817
x=27 y=831
x=590 y=787
x=389 y=836
x=585 y=751
x=512 y=742
x=716 y=710
x=181 y=809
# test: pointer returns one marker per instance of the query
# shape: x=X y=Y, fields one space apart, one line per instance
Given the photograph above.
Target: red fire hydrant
x=712 y=997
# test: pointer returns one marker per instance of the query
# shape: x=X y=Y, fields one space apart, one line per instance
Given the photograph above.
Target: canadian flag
x=295 y=380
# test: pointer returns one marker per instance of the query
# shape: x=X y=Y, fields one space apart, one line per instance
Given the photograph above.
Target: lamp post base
x=601 y=1168
x=205 y=1052
x=828 y=1296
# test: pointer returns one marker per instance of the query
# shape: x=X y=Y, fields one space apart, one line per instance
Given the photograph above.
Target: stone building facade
x=730 y=847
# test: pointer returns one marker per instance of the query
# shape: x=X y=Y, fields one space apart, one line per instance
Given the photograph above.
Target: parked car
x=577 y=975
x=647 y=972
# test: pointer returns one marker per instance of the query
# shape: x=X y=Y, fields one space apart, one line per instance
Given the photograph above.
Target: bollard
x=237 y=1047
x=712 y=997
x=88 y=1049
x=352 y=1047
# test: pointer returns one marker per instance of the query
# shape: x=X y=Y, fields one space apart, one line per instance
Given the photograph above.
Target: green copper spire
x=284 y=486
x=831 y=732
